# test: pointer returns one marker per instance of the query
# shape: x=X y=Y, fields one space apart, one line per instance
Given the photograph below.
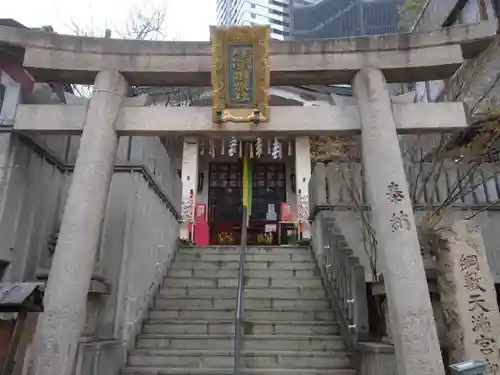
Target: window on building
x=279 y=22
x=276 y=31
x=278 y=4
x=277 y=12
x=252 y=15
x=252 y=6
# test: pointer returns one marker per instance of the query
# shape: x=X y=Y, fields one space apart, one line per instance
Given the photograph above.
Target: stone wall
x=342 y=192
x=436 y=12
x=30 y=205
x=139 y=238
x=432 y=18
x=477 y=82
x=468 y=296
x=10 y=94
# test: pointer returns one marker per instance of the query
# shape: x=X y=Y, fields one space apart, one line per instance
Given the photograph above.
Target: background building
x=343 y=18
x=256 y=12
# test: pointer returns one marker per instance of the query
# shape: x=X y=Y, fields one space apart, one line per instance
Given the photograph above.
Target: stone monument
x=468 y=297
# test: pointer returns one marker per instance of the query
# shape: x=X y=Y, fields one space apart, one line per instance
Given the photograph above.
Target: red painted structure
x=201 y=228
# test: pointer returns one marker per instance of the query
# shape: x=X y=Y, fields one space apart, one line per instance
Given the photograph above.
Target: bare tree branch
x=146 y=22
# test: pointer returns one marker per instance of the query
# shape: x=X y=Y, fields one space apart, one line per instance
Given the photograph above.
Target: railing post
x=240 y=293
x=360 y=303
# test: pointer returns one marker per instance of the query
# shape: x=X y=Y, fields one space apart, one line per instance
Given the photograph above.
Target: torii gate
x=365 y=62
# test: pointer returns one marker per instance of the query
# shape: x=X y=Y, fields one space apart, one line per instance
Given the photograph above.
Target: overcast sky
x=186 y=19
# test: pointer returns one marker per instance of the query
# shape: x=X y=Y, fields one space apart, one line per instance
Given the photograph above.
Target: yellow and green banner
x=247 y=183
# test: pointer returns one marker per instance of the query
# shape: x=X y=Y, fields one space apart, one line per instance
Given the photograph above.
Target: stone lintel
x=402 y=57
x=193 y=121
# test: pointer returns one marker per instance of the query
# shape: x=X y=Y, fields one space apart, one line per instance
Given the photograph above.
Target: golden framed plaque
x=240 y=73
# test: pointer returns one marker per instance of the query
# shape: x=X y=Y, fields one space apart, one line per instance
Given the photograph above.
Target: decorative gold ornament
x=265 y=238
x=240 y=73
x=225 y=238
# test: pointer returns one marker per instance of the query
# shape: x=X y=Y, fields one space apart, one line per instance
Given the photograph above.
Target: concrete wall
x=435 y=14
x=477 y=83
x=30 y=205
x=8 y=99
x=139 y=237
x=479 y=193
x=437 y=11
x=432 y=18
x=33 y=188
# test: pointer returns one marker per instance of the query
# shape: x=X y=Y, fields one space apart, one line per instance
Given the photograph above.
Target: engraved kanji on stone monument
x=400 y=221
x=394 y=193
x=470 y=306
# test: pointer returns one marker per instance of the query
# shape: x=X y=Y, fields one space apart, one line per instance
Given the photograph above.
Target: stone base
x=99 y=357
x=378 y=290
x=375 y=359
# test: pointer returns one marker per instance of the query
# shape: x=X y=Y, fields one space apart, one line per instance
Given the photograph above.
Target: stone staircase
x=289 y=327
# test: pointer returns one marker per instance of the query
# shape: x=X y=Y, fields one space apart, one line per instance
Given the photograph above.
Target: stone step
x=250 y=250
x=233 y=273
x=190 y=327
x=291 y=328
x=185 y=342
x=226 y=371
x=194 y=292
x=298 y=256
x=250 y=342
x=261 y=314
x=292 y=343
x=204 y=327
x=225 y=359
x=259 y=282
x=221 y=303
x=140 y=370
x=270 y=265
x=182 y=358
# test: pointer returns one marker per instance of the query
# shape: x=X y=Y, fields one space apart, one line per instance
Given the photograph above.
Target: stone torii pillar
x=65 y=301
x=410 y=311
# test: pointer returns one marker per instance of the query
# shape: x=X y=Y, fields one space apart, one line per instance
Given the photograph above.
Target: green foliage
x=408 y=13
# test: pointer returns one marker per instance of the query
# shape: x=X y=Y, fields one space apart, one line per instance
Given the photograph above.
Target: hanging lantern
x=202 y=148
x=233 y=145
x=269 y=147
x=289 y=147
x=211 y=148
x=258 y=147
x=241 y=149
x=222 y=147
x=276 y=149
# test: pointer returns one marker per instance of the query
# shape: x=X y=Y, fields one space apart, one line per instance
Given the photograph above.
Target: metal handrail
x=240 y=295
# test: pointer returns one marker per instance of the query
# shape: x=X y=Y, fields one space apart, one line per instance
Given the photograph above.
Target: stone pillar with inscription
x=190 y=161
x=410 y=311
x=302 y=177
x=468 y=296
